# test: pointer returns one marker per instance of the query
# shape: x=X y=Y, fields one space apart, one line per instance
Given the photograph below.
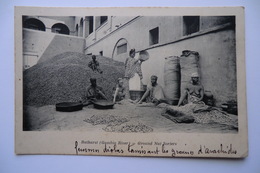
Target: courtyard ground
x=122 y=118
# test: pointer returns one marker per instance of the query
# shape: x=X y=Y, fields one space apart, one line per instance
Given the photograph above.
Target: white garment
x=156 y=91
x=135 y=83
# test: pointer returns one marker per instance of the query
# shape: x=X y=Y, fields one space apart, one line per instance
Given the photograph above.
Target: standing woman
x=133 y=73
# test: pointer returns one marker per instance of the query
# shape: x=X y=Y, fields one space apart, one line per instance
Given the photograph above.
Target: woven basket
x=144 y=55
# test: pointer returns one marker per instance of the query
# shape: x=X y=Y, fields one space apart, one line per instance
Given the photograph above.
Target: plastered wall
x=217 y=62
x=46 y=45
x=137 y=37
x=62 y=43
x=216 y=49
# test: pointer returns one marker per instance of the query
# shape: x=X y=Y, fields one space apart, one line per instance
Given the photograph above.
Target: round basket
x=69 y=106
x=143 y=55
x=103 y=104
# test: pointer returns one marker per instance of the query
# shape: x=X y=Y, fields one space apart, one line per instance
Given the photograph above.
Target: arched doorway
x=121 y=49
x=60 y=28
x=35 y=24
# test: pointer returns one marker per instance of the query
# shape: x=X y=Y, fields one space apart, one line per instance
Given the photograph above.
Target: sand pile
x=64 y=78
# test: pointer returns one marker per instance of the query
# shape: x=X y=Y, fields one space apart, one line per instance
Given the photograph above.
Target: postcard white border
x=63 y=142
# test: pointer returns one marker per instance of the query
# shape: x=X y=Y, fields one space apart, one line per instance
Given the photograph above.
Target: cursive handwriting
x=156 y=149
x=135 y=151
x=112 y=150
x=220 y=150
x=85 y=150
x=181 y=152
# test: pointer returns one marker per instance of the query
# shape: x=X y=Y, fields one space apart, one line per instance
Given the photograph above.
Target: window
x=121 y=48
x=34 y=24
x=103 y=19
x=60 y=28
x=191 y=24
x=101 y=53
x=90 y=24
x=100 y=20
x=154 y=36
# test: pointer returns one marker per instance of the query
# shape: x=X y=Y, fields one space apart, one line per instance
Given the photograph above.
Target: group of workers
x=193 y=91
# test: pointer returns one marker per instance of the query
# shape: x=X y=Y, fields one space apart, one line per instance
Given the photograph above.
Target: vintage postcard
x=152 y=82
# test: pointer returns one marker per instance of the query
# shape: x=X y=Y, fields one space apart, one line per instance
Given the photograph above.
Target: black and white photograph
x=120 y=77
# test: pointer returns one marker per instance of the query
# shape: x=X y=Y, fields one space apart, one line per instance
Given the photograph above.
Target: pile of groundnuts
x=129 y=128
x=106 y=120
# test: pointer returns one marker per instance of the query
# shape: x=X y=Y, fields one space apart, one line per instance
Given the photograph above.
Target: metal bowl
x=103 y=104
x=69 y=106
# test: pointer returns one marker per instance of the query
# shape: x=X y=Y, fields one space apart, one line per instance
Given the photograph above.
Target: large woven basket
x=144 y=55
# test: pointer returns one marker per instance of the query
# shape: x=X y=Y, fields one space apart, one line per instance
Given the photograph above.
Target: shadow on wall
x=61 y=44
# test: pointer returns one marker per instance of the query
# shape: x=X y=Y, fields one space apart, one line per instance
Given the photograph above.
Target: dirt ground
x=122 y=118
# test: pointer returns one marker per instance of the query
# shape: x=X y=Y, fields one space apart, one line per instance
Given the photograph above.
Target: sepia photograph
x=138 y=84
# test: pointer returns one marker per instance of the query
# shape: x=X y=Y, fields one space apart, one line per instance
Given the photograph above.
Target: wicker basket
x=143 y=55
x=136 y=94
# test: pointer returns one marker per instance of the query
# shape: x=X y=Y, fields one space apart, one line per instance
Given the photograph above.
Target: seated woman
x=120 y=91
x=194 y=91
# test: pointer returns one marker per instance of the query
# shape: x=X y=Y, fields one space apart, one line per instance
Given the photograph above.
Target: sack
x=177 y=116
x=189 y=63
x=172 y=78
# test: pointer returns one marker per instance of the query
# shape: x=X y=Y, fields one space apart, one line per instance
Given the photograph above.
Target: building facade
x=213 y=37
